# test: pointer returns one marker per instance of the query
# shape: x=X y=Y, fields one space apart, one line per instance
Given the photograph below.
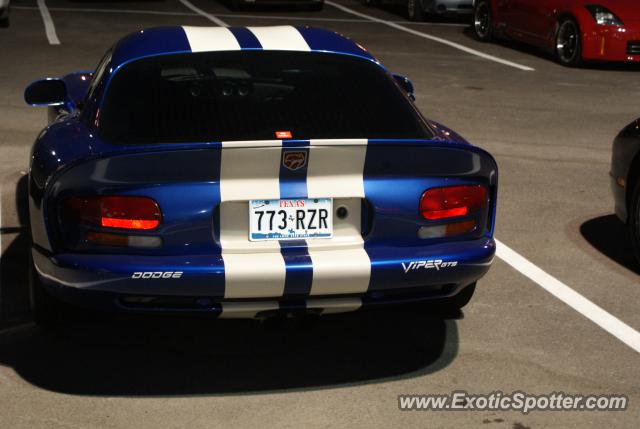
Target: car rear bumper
x=612 y=44
x=395 y=276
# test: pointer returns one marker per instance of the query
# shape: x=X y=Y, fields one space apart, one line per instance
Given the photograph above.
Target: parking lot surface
x=550 y=129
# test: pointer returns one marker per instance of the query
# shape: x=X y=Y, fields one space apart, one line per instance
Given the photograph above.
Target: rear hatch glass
x=251 y=95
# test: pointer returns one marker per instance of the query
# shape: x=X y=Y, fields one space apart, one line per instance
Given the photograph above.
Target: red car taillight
x=452 y=201
x=123 y=212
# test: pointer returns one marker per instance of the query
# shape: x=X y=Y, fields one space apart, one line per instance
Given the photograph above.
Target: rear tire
x=414 y=10
x=482 y=21
x=47 y=311
x=634 y=220
x=569 y=43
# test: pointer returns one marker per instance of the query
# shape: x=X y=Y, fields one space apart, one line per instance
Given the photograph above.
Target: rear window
x=250 y=95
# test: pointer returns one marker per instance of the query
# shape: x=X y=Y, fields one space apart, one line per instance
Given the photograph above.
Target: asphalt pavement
x=550 y=129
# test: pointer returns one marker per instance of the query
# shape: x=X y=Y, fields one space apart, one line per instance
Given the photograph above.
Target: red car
x=574 y=30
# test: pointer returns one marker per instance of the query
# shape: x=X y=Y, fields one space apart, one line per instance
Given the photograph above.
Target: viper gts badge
x=294 y=160
x=438 y=264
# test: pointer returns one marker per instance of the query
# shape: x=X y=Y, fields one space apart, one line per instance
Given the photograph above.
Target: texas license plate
x=290 y=219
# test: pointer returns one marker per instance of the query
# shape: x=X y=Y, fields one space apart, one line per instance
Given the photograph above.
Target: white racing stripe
x=337 y=171
x=49 y=27
x=280 y=38
x=246 y=173
x=203 y=39
x=573 y=299
x=430 y=37
x=340 y=271
x=236 y=16
x=201 y=12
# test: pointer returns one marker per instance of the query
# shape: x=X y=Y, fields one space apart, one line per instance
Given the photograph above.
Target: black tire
x=634 y=220
x=482 y=21
x=371 y=3
x=47 y=311
x=568 y=43
x=414 y=10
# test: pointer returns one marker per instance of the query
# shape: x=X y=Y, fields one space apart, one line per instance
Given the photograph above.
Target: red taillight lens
x=114 y=211
x=452 y=201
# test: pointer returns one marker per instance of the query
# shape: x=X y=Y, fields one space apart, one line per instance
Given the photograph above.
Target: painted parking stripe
x=203 y=39
x=573 y=299
x=201 y=12
x=280 y=38
x=430 y=37
x=340 y=271
x=235 y=16
x=49 y=27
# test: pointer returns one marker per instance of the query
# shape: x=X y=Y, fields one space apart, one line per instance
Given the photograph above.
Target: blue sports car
x=248 y=173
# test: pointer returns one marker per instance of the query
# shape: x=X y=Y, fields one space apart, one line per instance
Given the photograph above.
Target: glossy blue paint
x=322 y=40
x=293 y=183
x=69 y=159
x=246 y=38
x=299 y=269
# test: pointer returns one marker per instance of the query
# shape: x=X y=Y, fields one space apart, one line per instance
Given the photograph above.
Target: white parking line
x=17 y=328
x=573 y=299
x=430 y=37
x=207 y=15
x=49 y=28
x=233 y=16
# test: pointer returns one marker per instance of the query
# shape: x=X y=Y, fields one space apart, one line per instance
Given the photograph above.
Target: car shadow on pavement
x=14 y=296
x=132 y=356
x=125 y=355
x=610 y=236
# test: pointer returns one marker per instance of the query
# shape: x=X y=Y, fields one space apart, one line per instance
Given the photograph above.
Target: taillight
x=121 y=212
x=452 y=201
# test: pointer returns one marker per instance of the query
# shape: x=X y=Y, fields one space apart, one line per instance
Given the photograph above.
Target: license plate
x=290 y=219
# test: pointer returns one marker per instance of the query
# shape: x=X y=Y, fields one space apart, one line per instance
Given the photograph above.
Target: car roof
x=187 y=39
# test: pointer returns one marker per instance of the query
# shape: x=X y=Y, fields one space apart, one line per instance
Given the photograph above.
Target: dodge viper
x=249 y=173
x=573 y=30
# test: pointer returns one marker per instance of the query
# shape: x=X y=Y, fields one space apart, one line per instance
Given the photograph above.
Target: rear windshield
x=251 y=95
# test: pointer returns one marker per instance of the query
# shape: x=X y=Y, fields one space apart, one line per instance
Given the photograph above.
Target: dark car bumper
x=105 y=282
